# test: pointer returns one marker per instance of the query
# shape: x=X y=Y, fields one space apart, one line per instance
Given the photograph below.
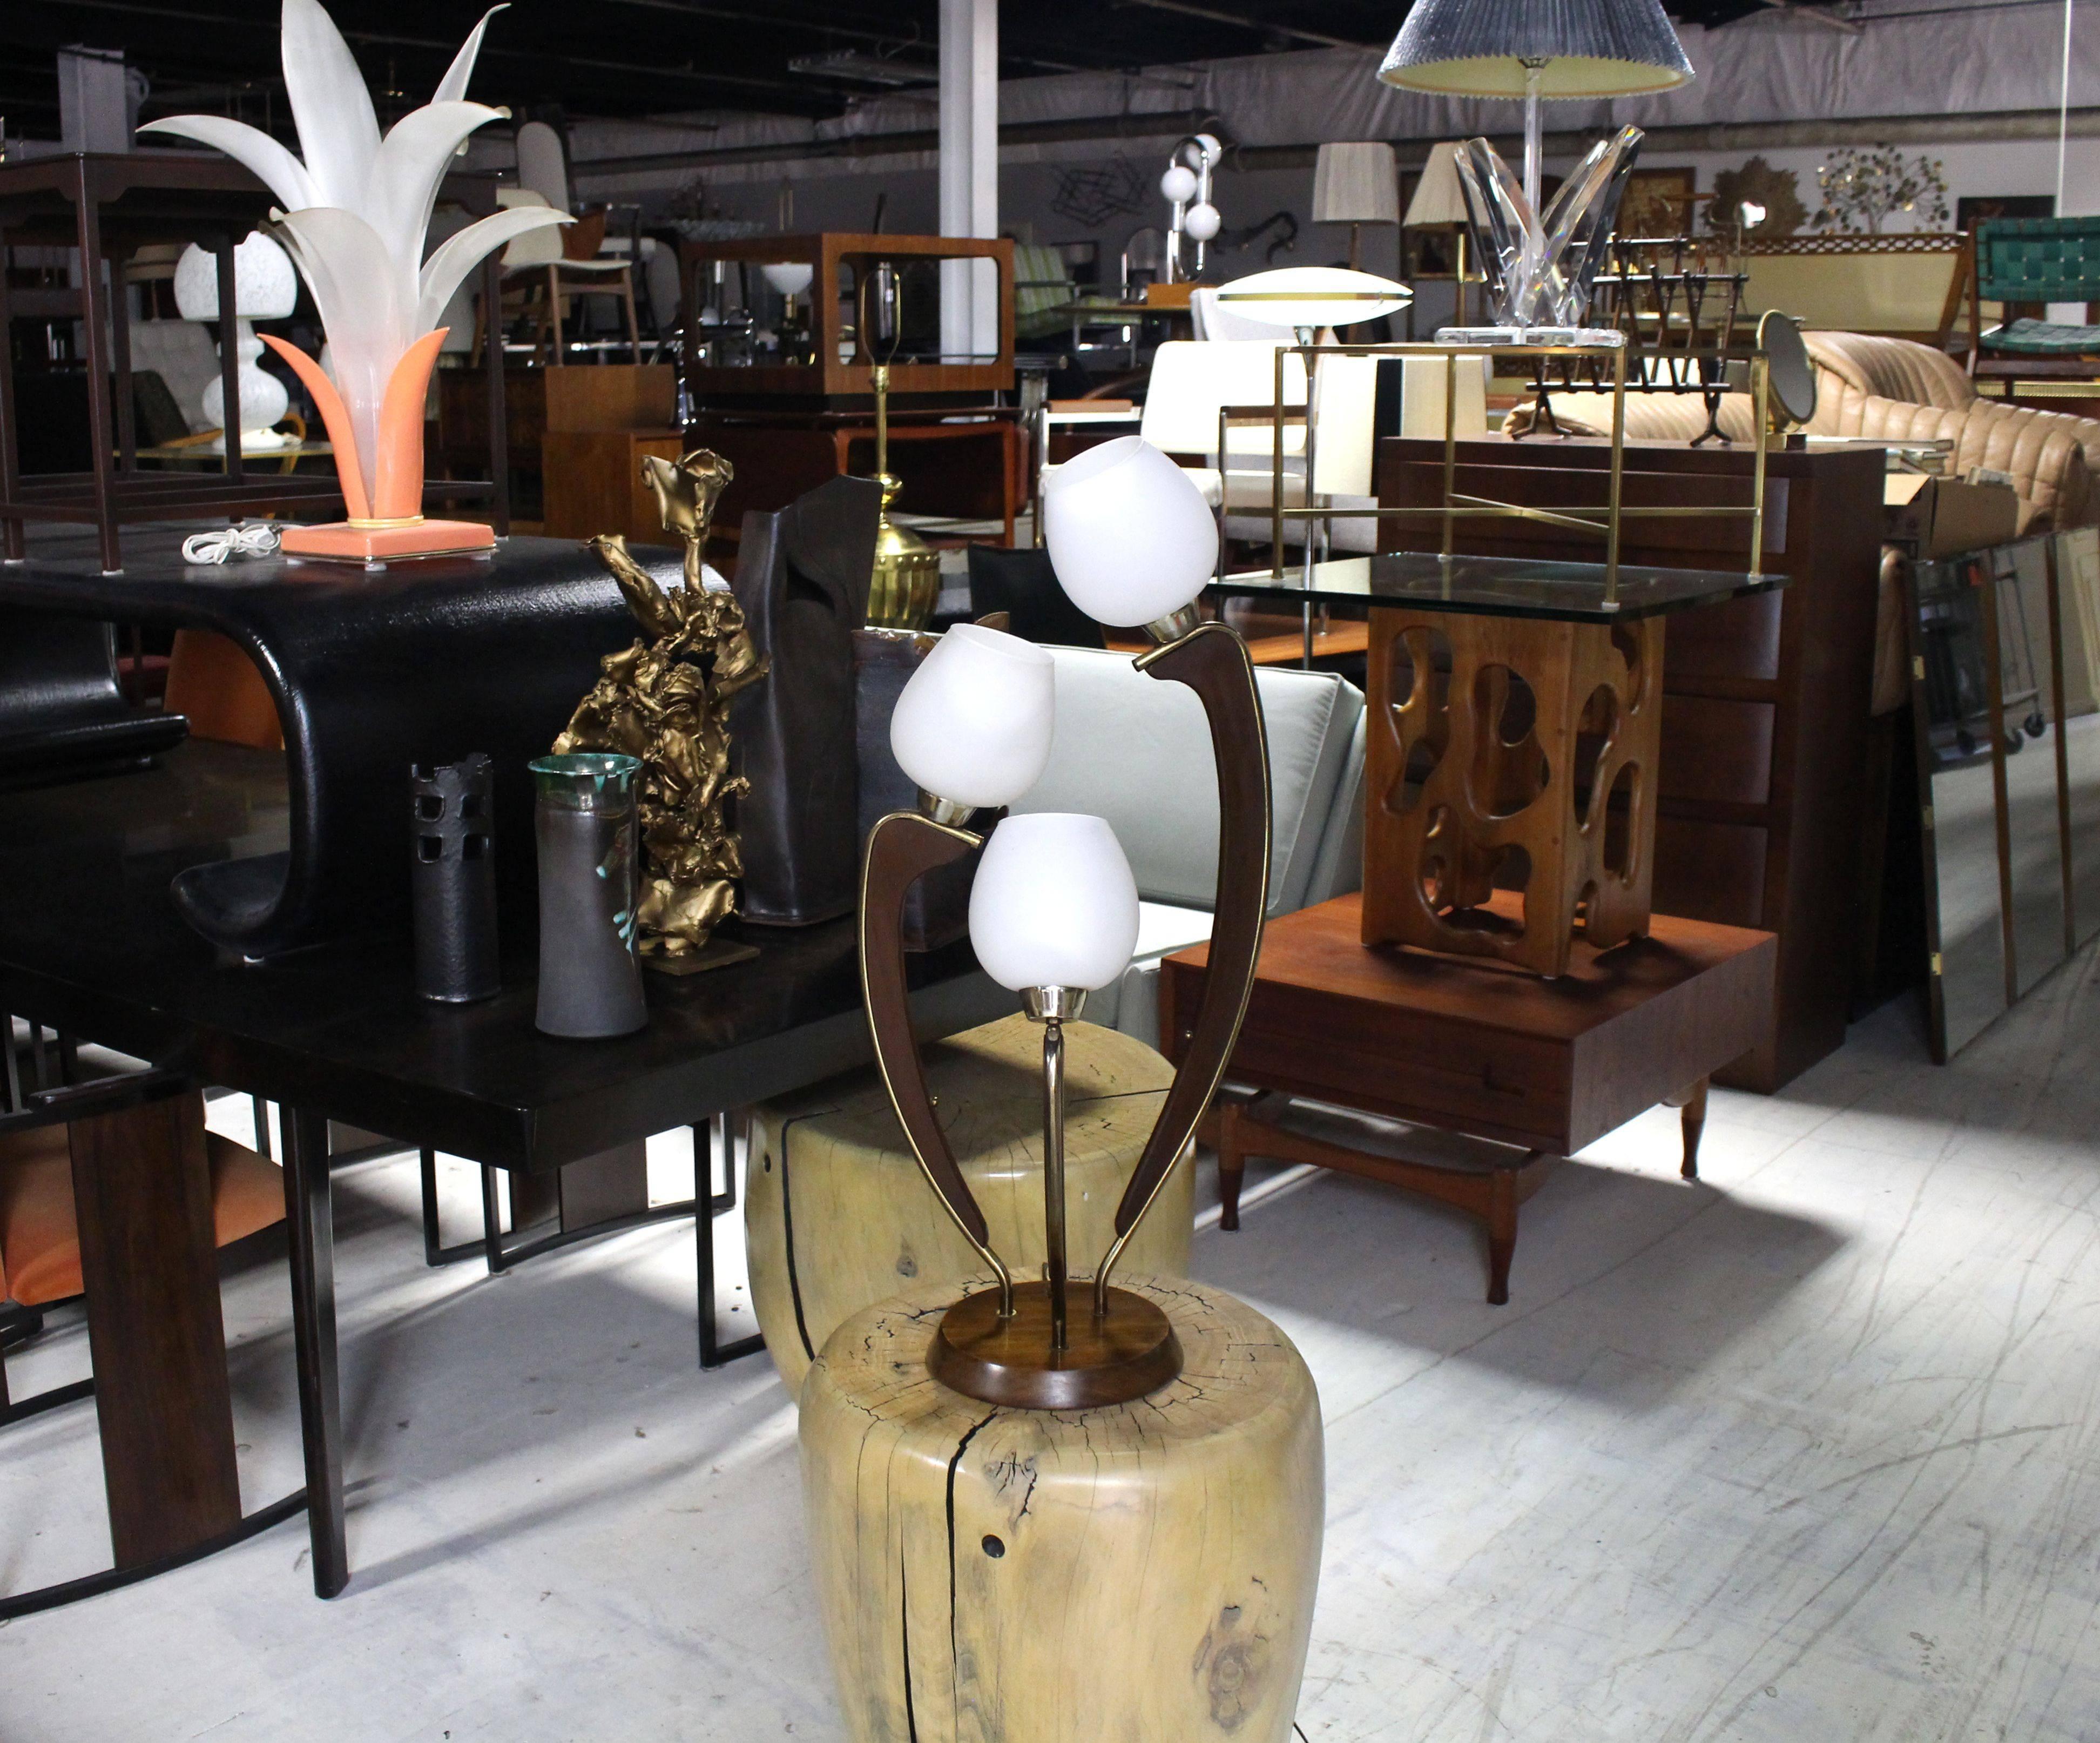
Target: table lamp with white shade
x=1053 y=910
x=1534 y=50
x=1356 y=182
x=1439 y=203
x=265 y=287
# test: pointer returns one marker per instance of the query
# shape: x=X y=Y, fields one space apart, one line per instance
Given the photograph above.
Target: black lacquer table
x=425 y=662
x=91 y=944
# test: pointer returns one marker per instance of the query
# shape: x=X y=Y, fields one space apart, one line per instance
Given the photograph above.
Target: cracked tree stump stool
x=1144 y=1572
x=837 y=1215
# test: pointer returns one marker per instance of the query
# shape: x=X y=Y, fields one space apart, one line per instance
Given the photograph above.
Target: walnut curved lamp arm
x=1213 y=661
x=902 y=848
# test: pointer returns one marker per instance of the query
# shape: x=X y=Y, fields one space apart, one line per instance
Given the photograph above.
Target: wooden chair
x=544 y=265
x=2026 y=263
x=40 y=1262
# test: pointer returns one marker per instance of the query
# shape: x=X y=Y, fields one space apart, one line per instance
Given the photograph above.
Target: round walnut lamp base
x=837 y=1215
x=989 y=1574
x=1129 y=1352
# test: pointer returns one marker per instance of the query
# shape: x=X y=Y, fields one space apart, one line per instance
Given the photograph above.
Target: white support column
x=969 y=171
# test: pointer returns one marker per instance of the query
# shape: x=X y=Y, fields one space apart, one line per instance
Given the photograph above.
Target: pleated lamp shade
x=1588 y=48
x=1356 y=182
x=1439 y=199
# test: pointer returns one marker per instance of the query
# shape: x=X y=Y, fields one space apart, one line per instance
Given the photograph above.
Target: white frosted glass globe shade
x=790 y=278
x=1203 y=222
x=974 y=724
x=265 y=287
x=1054 y=903
x=1179 y=183
x=1128 y=533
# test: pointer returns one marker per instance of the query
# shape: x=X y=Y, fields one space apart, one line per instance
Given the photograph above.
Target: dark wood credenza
x=1765 y=699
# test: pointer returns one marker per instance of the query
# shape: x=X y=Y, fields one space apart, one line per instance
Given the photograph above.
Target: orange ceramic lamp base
x=346 y=541
x=385 y=525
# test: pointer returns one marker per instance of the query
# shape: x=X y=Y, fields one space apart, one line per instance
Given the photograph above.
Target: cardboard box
x=1937 y=517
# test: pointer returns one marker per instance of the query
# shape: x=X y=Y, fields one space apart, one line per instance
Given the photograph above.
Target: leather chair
x=1137 y=752
x=62 y=715
x=1022 y=583
x=39 y=1235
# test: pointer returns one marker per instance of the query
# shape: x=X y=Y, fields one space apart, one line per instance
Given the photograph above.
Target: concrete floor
x=1805 y=1451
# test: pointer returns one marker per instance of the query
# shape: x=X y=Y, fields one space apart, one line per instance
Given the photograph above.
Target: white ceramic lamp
x=1054 y=903
x=1128 y=533
x=265 y=287
x=791 y=278
x=972 y=727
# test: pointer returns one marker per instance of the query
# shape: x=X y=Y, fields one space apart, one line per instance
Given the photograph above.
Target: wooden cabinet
x=1765 y=699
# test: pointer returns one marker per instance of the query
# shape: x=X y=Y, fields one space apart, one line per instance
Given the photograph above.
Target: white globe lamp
x=972 y=727
x=1129 y=534
x=1054 y=904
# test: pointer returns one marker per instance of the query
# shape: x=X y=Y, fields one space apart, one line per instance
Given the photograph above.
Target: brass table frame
x=1455 y=506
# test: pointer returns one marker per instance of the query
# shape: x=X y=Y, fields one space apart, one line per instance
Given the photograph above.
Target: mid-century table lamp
x=1520 y=49
x=265 y=287
x=1356 y=182
x=1053 y=911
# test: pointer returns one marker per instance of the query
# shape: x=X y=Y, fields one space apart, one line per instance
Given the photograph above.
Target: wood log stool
x=1145 y=1571
x=837 y=1215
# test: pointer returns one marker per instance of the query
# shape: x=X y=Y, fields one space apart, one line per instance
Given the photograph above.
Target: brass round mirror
x=1792 y=370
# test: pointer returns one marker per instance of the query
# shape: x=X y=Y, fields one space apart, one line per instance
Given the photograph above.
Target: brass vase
x=906 y=582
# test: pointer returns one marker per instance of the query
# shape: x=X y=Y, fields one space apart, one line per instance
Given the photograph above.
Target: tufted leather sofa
x=1871 y=386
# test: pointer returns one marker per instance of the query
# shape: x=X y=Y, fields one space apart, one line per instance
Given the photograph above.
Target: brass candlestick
x=665 y=700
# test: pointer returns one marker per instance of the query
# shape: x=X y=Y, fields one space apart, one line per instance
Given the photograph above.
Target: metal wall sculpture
x=666 y=700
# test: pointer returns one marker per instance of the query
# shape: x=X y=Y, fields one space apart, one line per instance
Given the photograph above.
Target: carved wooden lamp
x=1053 y=913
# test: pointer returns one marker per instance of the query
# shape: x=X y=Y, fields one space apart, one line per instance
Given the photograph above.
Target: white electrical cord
x=258 y=540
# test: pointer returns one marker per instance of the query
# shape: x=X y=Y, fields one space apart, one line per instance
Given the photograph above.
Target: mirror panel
x=2027 y=716
x=1952 y=693
x=2078 y=590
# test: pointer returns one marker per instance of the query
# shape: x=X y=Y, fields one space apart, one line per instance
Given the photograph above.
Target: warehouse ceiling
x=808 y=58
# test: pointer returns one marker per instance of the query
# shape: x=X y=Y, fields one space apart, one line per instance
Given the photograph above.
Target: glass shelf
x=1496 y=586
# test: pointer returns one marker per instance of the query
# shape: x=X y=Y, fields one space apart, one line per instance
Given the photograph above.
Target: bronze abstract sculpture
x=666 y=700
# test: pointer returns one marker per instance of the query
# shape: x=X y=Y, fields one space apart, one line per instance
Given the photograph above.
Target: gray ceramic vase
x=590 y=980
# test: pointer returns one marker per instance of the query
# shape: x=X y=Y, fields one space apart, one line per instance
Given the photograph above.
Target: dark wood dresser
x=1765 y=702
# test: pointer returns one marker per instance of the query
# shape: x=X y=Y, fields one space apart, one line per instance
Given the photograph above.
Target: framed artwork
x=1658 y=203
x=1972 y=209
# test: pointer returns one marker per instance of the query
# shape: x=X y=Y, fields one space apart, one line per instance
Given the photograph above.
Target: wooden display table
x=1547 y=1066
x=838 y=1217
x=1145 y=1570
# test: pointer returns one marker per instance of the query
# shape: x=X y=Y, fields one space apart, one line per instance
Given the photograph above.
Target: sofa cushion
x=1137 y=750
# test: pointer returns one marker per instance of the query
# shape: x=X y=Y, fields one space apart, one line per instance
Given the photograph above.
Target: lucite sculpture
x=356 y=208
x=1539 y=270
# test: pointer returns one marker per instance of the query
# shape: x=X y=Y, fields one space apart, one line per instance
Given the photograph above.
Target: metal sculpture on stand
x=665 y=700
x=1114 y=514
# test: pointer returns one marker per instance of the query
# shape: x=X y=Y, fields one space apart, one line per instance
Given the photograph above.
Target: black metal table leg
x=710 y=1204
x=308 y=1215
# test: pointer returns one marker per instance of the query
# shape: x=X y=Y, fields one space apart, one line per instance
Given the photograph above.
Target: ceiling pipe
x=1159 y=124
x=1258 y=26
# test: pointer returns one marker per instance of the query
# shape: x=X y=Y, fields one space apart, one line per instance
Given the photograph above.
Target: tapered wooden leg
x=309 y=1217
x=142 y=1194
x=1502 y=1232
x=1231 y=1165
x=1693 y=1102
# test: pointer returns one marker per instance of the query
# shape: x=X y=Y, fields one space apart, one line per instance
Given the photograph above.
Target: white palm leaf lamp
x=354 y=210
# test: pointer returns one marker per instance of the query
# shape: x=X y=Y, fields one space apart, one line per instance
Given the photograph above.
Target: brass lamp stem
x=881 y=420
x=1053 y=1176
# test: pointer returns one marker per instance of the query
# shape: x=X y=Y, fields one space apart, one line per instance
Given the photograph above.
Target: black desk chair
x=1021 y=584
x=63 y=716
